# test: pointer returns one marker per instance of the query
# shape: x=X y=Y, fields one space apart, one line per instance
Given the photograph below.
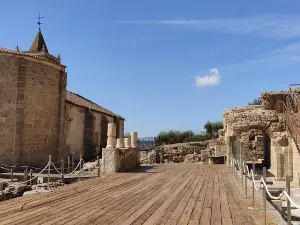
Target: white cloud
x=212 y=79
x=270 y=26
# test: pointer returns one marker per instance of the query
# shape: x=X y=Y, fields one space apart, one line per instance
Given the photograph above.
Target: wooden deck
x=165 y=194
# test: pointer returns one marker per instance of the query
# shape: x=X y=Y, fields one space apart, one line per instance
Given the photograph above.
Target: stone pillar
x=120 y=140
x=111 y=130
x=120 y=143
x=110 y=154
x=111 y=142
x=111 y=135
x=127 y=142
x=133 y=139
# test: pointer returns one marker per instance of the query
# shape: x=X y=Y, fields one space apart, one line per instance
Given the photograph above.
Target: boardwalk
x=165 y=194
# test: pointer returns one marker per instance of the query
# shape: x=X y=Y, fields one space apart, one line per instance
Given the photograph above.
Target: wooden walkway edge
x=184 y=194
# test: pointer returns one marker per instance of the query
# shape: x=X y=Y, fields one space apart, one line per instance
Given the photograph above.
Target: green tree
x=127 y=135
x=256 y=101
x=212 y=128
x=209 y=128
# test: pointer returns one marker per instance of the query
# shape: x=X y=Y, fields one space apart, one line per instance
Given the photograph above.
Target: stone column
x=120 y=143
x=120 y=140
x=111 y=136
x=134 y=139
x=127 y=142
x=110 y=153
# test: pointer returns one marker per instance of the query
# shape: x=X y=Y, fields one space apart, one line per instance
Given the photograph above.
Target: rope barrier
x=262 y=181
x=68 y=173
x=36 y=175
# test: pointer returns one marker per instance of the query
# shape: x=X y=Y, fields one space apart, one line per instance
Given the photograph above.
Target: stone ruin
x=259 y=133
x=191 y=152
x=120 y=154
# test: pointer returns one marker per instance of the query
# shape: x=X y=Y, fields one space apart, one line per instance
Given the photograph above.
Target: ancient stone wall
x=9 y=105
x=85 y=130
x=75 y=119
x=44 y=96
x=271 y=100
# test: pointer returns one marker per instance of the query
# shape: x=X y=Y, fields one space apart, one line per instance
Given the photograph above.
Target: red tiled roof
x=81 y=101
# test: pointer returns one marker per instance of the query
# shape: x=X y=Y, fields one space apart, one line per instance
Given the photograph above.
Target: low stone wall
x=120 y=159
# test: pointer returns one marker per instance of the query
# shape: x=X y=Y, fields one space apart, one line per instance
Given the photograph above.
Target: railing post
x=288 y=207
x=26 y=174
x=265 y=196
x=246 y=178
x=62 y=169
x=80 y=166
x=69 y=164
x=98 y=164
x=49 y=165
x=30 y=182
x=242 y=172
x=253 y=188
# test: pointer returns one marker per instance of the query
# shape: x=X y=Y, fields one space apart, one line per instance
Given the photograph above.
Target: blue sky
x=165 y=64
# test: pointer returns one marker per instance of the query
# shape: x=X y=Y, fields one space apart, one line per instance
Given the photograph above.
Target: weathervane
x=39 y=22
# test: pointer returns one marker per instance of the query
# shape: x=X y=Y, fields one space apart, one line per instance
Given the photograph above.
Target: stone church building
x=39 y=117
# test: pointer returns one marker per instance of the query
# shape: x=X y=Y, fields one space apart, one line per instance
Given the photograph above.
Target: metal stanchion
x=253 y=190
x=288 y=208
x=265 y=195
x=98 y=164
x=80 y=166
x=49 y=165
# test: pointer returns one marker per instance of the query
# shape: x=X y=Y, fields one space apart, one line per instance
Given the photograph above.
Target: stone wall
x=86 y=131
x=9 y=103
x=271 y=100
x=75 y=119
x=33 y=105
x=44 y=93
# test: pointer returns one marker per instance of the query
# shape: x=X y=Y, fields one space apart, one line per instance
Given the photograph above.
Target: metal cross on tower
x=39 y=22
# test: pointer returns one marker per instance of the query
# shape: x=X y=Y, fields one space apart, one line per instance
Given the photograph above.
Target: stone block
x=110 y=159
x=127 y=142
x=120 y=143
x=260 y=149
x=134 y=139
x=111 y=130
x=111 y=142
x=259 y=138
